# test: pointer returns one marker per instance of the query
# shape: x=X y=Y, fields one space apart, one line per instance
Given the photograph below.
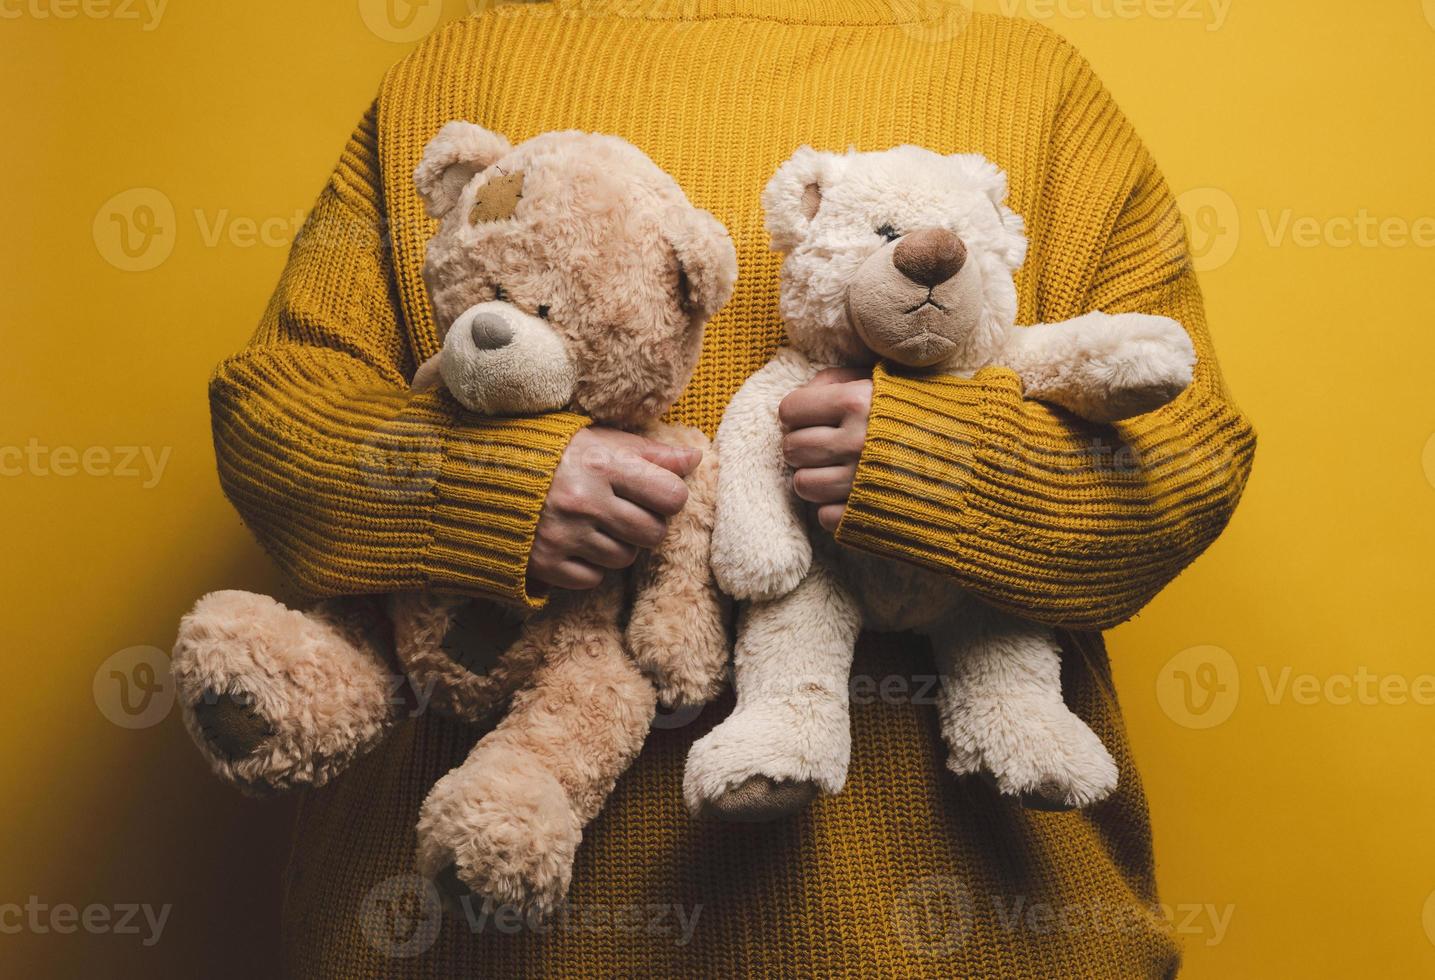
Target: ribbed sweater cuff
x=493 y=477
x=911 y=495
x=950 y=479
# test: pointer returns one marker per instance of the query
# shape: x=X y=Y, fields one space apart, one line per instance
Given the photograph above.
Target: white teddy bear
x=906 y=255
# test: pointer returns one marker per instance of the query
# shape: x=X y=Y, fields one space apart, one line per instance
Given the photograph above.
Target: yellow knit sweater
x=356 y=486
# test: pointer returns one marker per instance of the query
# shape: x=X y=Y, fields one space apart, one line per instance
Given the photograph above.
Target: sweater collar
x=844 y=12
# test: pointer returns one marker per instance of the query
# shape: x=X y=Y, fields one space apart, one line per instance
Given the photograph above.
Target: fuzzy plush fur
x=630 y=313
x=568 y=271
x=318 y=681
x=905 y=255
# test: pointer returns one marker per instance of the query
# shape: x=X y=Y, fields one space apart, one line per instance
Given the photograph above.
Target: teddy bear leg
x=677 y=631
x=505 y=825
x=1002 y=712
x=789 y=737
x=277 y=698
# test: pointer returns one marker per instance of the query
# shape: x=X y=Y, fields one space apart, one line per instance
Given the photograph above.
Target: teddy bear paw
x=501 y=833
x=231 y=724
x=759 y=799
x=1154 y=363
x=769 y=570
x=767 y=761
x=276 y=698
x=1042 y=755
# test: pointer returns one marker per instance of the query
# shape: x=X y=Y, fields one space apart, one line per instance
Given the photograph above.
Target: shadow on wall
x=141 y=863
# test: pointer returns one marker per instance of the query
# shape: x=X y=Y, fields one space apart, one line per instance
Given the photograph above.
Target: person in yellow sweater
x=908 y=872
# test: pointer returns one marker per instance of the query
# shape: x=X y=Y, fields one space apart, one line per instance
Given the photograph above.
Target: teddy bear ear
x=707 y=261
x=451 y=159
x=993 y=180
x=793 y=195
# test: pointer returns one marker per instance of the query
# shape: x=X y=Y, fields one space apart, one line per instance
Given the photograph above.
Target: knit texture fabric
x=356 y=486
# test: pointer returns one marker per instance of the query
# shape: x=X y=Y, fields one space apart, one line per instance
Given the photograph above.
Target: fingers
x=678 y=460
x=599 y=549
x=839 y=375
x=632 y=524
x=824 y=485
x=575 y=575
x=821 y=445
x=829 y=403
x=611 y=496
x=648 y=485
x=830 y=515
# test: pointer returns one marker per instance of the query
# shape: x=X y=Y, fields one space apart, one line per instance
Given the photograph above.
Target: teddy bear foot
x=759 y=799
x=500 y=831
x=769 y=760
x=1042 y=755
x=276 y=698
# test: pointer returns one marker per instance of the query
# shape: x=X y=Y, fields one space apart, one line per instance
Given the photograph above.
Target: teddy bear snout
x=490 y=331
x=930 y=256
x=500 y=360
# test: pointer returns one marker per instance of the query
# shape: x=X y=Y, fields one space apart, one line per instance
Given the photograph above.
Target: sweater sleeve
x=350 y=482
x=1036 y=511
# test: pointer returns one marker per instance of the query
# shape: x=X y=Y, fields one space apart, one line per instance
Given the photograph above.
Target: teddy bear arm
x=1103 y=367
x=677 y=630
x=760 y=548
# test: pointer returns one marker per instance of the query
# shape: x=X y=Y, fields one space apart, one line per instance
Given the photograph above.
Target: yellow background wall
x=1279 y=694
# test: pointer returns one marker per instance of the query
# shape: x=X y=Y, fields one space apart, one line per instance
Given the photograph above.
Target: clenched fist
x=825 y=422
x=611 y=495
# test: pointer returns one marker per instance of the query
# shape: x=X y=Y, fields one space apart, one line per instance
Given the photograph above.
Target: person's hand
x=826 y=425
x=612 y=494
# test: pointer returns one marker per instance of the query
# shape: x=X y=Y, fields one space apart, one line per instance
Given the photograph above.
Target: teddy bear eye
x=500 y=295
x=543 y=310
x=889 y=233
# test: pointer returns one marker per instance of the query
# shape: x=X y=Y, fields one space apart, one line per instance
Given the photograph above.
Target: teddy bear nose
x=490 y=332
x=929 y=256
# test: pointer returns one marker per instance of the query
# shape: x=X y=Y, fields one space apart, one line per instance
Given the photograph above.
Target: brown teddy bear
x=566 y=272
